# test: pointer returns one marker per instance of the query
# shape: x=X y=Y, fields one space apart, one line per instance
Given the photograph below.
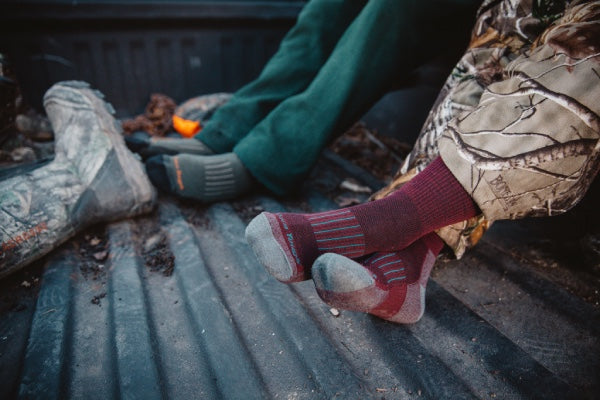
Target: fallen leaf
x=101 y=255
x=354 y=187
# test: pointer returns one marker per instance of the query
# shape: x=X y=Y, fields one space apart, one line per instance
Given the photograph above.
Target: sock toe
x=156 y=169
x=262 y=240
x=335 y=273
x=344 y=283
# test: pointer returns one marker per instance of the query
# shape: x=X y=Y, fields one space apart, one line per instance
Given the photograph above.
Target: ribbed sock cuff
x=439 y=198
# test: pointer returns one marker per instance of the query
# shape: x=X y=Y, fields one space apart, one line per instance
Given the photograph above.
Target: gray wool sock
x=205 y=178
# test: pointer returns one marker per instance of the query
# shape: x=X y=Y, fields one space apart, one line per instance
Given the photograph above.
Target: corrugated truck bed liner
x=174 y=305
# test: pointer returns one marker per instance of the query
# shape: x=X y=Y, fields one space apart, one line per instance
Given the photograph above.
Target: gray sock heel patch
x=336 y=273
x=267 y=249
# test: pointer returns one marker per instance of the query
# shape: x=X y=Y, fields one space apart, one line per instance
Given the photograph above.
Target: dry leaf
x=101 y=255
x=354 y=187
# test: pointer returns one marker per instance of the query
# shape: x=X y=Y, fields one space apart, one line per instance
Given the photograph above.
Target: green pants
x=332 y=66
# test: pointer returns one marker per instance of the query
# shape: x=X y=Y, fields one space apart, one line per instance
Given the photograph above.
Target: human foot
x=287 y=244
x=92 y=178
x=205 y=178
x=147 y=146
x=388 y=285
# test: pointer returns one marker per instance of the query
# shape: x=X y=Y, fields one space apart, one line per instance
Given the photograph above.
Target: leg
x=92 y=178
x=282 y=148
x=388 y=285
x=287 y=244
x=301 y=55
x=386 y=41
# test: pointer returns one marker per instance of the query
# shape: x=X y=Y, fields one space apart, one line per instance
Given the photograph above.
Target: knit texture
x=388 y=285
x=205 y=178
x=433 y=199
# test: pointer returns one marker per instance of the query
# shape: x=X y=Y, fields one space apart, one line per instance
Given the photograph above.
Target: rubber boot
x=92 y=178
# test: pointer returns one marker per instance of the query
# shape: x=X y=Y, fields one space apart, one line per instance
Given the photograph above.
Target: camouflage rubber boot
x=92 y=178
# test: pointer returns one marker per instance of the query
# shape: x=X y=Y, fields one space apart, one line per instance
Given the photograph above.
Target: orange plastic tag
x=186 y=128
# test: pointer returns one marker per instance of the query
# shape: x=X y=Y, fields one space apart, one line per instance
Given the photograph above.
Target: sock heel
x=262 y=233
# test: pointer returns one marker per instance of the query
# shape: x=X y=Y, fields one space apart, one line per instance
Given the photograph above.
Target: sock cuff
x=397 y=212
x=439 y=198
x=242 y=176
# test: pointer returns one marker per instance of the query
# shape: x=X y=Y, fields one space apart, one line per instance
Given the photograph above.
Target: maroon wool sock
x=388 y=285
x=431 y=200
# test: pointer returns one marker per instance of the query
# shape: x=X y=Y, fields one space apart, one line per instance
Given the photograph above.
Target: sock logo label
x=178 y=173
x=290 y=239
x=282 y=221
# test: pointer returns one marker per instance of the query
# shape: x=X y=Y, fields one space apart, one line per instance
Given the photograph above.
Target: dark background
x=131 y=49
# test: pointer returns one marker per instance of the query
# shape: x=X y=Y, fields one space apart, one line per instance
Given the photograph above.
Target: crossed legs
x=374 y=257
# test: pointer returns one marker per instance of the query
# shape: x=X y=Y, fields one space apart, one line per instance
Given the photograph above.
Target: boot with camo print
x=92 y=178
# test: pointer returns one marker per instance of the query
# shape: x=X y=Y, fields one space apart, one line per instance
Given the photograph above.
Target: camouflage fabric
x=92 y=178
x=517 y=121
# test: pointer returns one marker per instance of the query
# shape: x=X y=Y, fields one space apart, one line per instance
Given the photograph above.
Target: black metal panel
x=65 y=10
x=129 y=51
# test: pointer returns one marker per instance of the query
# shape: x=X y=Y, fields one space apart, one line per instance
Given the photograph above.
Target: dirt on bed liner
x=16 y=288
x=93 y=250
x=379 y=154
x=152 y=245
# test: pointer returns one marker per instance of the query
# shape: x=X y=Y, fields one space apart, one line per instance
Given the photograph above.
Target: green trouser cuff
x=214 y=138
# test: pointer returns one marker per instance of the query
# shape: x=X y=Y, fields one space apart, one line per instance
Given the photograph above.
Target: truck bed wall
x=131 y=49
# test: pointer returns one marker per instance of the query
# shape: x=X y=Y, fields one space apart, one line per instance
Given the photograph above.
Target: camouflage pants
x=518 y=120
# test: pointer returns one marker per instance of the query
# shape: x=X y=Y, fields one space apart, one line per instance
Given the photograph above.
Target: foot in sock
x=92 y=178
x=287 y=244
x=388 y=285
x=147 y=146
x=205 y=178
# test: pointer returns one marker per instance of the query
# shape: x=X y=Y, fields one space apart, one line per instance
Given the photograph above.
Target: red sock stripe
x=388 y=268
x=431 y=200
x=338 y=231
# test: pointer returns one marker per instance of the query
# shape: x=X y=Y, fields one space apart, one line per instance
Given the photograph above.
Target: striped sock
x=287 y=244
x=337 y=231
x=205 y=178
x=388 y=285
